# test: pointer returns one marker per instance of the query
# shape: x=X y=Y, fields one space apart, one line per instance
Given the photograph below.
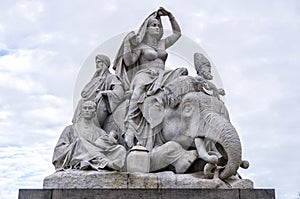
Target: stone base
x=76 y=179
x=146 y=193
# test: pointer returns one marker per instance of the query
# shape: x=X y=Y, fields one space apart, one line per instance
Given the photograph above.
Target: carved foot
x=209 y=170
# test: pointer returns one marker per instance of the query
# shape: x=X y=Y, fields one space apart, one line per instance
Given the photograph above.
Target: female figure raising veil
x=141 y=65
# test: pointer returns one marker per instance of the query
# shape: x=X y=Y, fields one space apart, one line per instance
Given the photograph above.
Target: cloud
x=33 y=119
x=254 y=45
x=23 y=167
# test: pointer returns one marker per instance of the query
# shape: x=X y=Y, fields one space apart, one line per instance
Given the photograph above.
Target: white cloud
x=254 y=45
x=29 y=10
x=35 y=119
x=20 y=83
x=23 y=167
x=4 y=115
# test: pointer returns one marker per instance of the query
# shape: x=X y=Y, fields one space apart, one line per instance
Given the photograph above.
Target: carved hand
x=131 y=38
x=163 y=12
x=112 y=139
x=97 y=98
x=84 y=94
x=104 y=93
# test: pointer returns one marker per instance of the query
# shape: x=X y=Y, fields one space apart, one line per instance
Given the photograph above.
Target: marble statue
x=84 y=145
x=105 y=89
x=171 y=117
x=141 y=63
x=203 y=69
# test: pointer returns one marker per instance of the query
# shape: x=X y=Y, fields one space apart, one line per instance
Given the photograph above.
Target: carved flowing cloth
x=126 y=73
x=151 y=79
x=101 y=83
x=91 y=146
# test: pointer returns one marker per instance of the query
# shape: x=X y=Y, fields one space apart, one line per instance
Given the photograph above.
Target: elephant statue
x=185 y=118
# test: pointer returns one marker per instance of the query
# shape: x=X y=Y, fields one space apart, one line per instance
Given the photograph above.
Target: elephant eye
x=187 y=106
x=157 y=106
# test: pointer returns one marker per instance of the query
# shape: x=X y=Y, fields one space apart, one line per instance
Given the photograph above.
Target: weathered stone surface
x=142 y=181
x=239 y=184
x=167 y=179
x=200 y=193
x=195 y=180
x=124 y=180
x=36 y=193
x=147 y=193
x=86 y=179
x=103 y=193
x=257 y=193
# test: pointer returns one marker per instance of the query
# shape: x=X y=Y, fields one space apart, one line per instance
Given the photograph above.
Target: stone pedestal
x=110 y=184
x=147 y=193
x=76 y=179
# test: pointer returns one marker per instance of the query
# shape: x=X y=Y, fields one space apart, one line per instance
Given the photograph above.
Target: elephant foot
x=212 y=171
x=209 y=170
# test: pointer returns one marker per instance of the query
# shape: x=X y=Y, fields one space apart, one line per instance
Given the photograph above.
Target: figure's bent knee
x=172 y=146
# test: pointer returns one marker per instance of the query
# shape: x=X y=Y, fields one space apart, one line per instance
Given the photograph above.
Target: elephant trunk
x=232 y=146
x=221 y=131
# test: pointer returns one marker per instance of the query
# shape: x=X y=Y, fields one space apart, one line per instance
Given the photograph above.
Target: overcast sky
x=254 y=45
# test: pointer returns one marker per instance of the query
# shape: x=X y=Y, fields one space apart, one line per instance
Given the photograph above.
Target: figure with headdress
x=105 y=89
x=203 y=69
x=141 y=64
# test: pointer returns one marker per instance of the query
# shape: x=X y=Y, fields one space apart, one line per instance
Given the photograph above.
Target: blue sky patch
x=3 y=52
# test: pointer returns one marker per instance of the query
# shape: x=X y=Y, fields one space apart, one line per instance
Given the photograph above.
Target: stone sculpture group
x=149 y=119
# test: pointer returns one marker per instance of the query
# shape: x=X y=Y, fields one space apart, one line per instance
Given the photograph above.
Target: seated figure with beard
x=105 y=89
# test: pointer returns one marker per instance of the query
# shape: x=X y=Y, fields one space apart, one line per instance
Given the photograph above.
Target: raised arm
x=130 y=55
x=170 y=40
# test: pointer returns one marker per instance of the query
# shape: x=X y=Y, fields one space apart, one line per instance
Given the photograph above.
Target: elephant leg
x=202 y=152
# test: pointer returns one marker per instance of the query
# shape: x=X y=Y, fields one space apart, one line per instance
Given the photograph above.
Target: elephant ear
x=153 y=110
